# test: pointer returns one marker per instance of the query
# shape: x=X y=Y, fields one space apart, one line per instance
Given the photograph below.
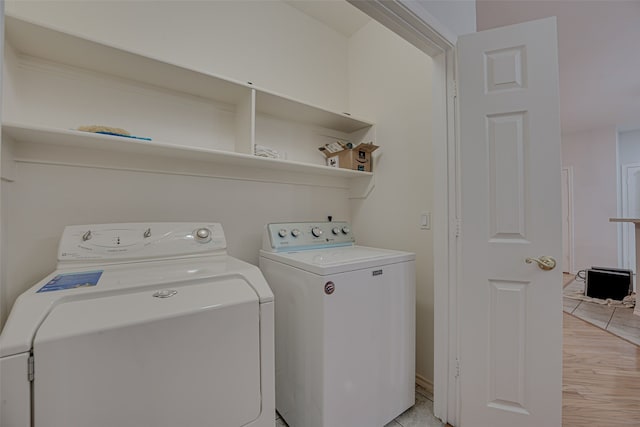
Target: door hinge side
x=30 y=368
x=458 y=227
x=454 y=88
x=457 y=368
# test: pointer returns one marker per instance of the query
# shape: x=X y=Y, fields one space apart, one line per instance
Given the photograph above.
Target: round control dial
x=316 y=231
x=282 y=232
x=346 y=230
x=335 y=230
x=202 y=235
x=295 y=232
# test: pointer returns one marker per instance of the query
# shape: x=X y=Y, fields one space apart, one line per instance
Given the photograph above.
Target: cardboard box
x=340 y=155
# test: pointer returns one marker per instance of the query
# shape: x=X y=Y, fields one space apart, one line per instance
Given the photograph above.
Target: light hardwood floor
x=567 y=278
x=601 y=384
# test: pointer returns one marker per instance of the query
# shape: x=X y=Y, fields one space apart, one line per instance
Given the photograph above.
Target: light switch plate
x=425 y=220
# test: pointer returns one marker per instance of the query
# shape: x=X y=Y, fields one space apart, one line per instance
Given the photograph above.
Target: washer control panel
x=290 y=236
x=133 y=241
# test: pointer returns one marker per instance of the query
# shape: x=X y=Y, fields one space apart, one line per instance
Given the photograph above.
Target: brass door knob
x=544 y=262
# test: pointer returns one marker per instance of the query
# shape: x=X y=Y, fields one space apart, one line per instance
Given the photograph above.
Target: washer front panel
x=345 y=345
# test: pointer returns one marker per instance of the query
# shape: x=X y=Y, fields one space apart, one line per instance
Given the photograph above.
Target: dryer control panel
x=293 y=236
x=140 y=241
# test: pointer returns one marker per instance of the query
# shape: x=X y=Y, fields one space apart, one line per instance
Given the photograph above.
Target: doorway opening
x=567 y=221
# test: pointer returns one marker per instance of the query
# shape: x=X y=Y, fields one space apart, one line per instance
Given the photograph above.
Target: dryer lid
x=198 y=285
x=145 y=305
x=188 y=354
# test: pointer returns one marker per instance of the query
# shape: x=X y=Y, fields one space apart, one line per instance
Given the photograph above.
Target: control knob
x=295 y=232
x=203 y=235
x=346 y=229
x=282 y=233
x=335 y=230
x=316 y=231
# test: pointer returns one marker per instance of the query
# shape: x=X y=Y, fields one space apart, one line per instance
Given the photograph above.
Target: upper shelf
x=289 y=109
x=73 y=138
x=58 y=46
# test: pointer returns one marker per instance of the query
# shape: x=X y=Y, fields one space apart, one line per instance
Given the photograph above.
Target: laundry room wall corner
x=390 y=81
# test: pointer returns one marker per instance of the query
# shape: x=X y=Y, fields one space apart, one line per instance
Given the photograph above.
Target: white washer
x=141 y=325
x=345 y=326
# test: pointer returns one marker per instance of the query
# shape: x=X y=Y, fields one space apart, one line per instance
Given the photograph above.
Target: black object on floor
x=603 y=283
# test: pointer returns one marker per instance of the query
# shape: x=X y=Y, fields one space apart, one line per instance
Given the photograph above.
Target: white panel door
x=510 y=311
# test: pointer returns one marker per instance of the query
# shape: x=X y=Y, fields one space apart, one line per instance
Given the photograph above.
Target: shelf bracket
x=360 y=187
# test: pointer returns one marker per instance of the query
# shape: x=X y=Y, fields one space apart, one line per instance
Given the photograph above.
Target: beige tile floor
x=421 y=414
x=618 y=320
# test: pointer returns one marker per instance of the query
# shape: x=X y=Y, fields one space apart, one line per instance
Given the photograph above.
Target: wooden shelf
x=57 y=46
x=71 y=138
x=60 y=47
x=289 y=109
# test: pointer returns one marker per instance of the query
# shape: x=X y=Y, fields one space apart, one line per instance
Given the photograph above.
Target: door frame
x=569 y=169
x=429 y=35
x=626 y=241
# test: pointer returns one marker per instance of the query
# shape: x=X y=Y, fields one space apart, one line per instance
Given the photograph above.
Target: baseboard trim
x=426 y=384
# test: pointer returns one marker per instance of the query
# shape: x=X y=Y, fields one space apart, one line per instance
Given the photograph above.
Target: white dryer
x=141 y=325
x=345 y=326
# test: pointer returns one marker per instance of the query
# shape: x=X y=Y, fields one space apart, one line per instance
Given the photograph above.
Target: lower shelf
x=72 y=138
x=29 y=144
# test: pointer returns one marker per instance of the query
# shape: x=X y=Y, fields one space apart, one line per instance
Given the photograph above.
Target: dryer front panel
x=149 y=359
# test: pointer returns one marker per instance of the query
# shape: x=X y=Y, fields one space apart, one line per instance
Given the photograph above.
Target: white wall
x=45 y=198
x=629 y=147
x=391 y=83
x=457 y=16
x=592 y=154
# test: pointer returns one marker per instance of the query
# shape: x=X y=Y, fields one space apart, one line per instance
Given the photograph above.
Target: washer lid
x=338 y=260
